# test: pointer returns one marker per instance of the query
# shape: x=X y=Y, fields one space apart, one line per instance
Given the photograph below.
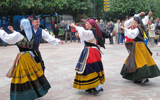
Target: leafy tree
x=75 y=7
x=9 y=8
x=99 y=4
x=121 y=8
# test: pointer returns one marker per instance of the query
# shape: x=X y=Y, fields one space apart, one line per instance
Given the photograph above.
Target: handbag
x=11 y=70
x=156 y=37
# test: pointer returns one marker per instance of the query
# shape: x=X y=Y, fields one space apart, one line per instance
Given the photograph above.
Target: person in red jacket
x=73 y=33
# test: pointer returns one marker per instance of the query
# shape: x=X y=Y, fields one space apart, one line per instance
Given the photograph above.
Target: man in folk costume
x=139 y=65
x=129 y=24
x=40 y=33
x=28 y=80
x=89 y=69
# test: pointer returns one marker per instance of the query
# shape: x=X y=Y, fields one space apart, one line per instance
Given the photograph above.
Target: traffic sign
x=106 y=5
x=107 y=2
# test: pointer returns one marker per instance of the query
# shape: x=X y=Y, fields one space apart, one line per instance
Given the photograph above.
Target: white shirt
x=132 y=33
x=16 y=37
x=129 y=22
x=85 y=35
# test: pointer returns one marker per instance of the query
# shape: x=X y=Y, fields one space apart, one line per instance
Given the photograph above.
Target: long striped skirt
x=28 y=81
x=145 y=65
x=93 y=74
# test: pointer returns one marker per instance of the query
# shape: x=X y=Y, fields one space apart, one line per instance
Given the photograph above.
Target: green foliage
x=120 y=8
x=99 y=8
x=26 y=7
x=75 y=7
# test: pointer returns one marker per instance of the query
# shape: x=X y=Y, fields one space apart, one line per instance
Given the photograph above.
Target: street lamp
x=95 y=9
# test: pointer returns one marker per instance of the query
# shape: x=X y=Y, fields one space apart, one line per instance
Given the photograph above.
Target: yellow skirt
x=142 y=56
x=28 y=81
x=93 y=74
x=145 y=65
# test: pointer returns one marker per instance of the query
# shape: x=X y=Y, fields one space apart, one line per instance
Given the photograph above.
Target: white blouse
x=85 y=35
x=132 y=33
x=129 y=22
x=16 y=37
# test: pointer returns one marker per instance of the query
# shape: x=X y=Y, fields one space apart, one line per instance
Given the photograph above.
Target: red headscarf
x=95 y=26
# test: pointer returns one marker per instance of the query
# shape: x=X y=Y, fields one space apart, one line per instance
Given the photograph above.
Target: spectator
x=77 y=37
x=146 y=32
x=96 y=21
x=158 y=31
x=156 y=23
x=110 y=29
x=106 y=28
x=117 y=35
x=52 y=23
x=102 y=25
x=56 y=31
x=84 y=24
x=151 y=32
x=73 y=33
x=4 y=43
x=122 y=33
x=68 y=31
x=151 y=19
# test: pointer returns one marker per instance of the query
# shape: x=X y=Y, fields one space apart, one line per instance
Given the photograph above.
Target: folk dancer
x=141 y=66
x=28 y=81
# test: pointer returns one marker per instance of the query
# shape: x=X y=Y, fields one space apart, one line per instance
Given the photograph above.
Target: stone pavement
x=60 y=62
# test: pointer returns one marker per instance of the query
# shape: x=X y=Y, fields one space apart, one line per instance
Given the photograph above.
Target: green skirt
x=145 y=65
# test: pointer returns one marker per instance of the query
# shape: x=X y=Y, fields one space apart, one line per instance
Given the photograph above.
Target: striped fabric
x=93 y=74
x=145 y=65
x=28 y=81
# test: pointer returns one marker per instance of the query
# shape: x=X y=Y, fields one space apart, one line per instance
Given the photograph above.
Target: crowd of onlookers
x=152 y=31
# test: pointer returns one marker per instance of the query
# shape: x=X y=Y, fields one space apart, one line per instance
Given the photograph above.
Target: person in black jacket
x=68 y=31
x=105 y=34
x=56 y=31
x=158 y=31
x=110 y=29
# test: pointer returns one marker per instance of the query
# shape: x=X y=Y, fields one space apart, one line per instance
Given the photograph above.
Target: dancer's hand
x=113 y=32
x=150 y=13
x=11 y=28
x=122 y=28
x=73 y=25
x=61 y=42
x=142 y=13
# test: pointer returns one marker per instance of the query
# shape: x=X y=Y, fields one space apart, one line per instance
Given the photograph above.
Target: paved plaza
x=60 y=63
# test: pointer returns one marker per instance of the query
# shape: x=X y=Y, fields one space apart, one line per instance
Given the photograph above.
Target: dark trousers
x=122 y=38
x=111 y=40
x=66 y=36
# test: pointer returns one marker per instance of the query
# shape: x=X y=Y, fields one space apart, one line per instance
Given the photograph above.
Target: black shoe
x=138 y=82
x=97 y=91
x=90 y=90
x=145 y=81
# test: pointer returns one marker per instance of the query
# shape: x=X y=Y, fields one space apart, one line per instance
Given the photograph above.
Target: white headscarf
x=25 y=23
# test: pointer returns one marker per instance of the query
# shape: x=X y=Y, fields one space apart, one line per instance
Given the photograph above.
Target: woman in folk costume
x=139 y=66
x=89 y=69
x=28 y=81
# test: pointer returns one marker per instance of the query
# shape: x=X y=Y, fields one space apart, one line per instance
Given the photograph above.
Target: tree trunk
x=11 y=20
x=75 y=14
